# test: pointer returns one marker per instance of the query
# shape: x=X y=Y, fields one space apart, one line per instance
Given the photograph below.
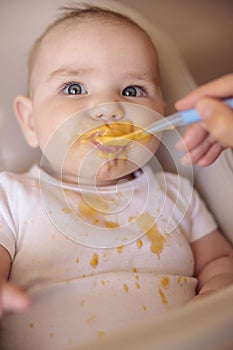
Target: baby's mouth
x=112 y=131
x=108 y=149
x=116 y=134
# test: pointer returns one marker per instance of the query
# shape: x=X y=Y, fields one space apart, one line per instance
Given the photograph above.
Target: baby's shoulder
x=10 y=181
x=171 y=180
x=176 y=188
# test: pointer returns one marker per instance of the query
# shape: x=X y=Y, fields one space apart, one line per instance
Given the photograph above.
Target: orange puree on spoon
x=116 y=134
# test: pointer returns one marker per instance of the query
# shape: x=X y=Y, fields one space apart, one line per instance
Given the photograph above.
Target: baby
x=95 y=239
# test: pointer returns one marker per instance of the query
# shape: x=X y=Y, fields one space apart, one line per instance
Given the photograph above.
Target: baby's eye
x=74 y=89
x=133 y=91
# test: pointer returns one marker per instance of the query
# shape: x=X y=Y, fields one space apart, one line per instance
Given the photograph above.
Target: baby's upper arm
x=5 y=262
x=209 y=248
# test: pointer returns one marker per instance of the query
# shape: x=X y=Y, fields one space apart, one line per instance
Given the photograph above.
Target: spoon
x=177 y=119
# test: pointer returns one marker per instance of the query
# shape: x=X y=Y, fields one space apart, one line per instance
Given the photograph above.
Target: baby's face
x=87 y=75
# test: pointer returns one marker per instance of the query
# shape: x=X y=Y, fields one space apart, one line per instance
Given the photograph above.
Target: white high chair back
x=27 y=20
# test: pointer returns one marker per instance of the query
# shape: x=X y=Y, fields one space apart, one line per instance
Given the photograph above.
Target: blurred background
x=201 y=29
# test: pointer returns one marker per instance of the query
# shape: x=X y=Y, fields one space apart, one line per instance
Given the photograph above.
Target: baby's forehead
x=103 y=18
x=79 y=28
x=93 y=30
x=78 y=23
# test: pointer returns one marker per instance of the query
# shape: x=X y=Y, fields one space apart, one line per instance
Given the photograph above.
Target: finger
x=194 y=135
x=204 y=154
x=218 y=119
x=14 y=298
x=211 y=155
x=219 y=88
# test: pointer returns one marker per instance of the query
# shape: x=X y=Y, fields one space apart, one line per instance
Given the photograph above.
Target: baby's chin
x=109 y=173
x=116 y=169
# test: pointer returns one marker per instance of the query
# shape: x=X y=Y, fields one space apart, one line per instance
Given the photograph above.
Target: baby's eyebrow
x=68 y=72
x=141 y=76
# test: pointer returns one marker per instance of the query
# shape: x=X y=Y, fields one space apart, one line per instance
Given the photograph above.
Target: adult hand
x=206 y=140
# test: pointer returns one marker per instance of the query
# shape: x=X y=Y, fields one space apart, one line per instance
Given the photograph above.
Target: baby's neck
x=70 y=180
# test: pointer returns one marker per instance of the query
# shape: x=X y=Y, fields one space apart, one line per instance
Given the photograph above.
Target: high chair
x=204 y=325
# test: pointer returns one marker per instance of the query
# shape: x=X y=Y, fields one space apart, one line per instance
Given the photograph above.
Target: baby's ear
x=24 y=112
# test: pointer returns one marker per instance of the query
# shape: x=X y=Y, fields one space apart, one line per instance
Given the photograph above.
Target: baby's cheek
x=78 y=155
x=153 y=144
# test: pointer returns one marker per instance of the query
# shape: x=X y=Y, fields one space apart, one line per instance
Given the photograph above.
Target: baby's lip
x=108 y=148
x=110 y=132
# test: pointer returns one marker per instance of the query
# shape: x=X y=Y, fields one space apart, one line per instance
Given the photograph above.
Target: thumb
x=218 y=119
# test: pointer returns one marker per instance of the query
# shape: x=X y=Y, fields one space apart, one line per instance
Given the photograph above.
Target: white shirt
x=95 y=263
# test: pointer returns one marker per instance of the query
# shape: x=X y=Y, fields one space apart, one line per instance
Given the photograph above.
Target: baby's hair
x=80 y=12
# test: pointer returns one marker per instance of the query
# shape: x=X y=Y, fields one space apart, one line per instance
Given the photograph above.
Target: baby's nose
x=108 y=112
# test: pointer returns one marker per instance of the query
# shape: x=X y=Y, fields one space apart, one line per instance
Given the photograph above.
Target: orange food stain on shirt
x=100 y=334
x=31 y=325
x=131 y=218
x=120 y=249
x=137 y=285
x=67 y=210
x=77 y=260
x=179 y=280
x=86 y=210
x=139 y=243
x=164 y=282
x=111 y=224
x=92 y=208
x=94 y=261
x=146 y=223
x=100 y=203
x=91 y=319
x=126 y=288
x=163 y=297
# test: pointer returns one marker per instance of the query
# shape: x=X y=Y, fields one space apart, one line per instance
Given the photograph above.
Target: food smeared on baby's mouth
x=113 y=138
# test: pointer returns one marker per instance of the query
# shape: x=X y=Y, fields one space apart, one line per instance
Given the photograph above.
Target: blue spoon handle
x=180 y=118
x=191 y=116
